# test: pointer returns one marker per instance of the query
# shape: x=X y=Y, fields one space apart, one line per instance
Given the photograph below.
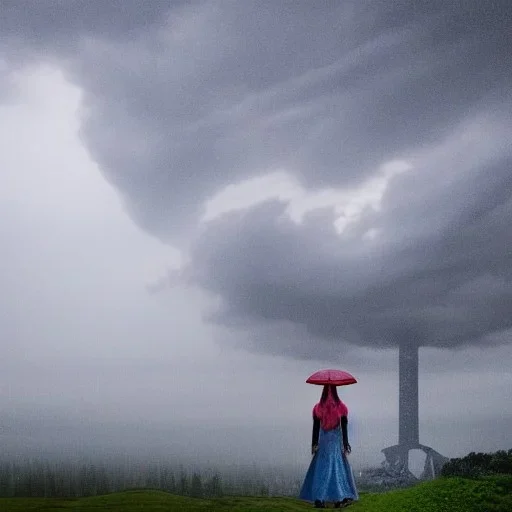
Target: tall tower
x=408 y=416
x=397 y=457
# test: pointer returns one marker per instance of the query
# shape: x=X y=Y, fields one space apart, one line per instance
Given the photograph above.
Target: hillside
x=491 y=494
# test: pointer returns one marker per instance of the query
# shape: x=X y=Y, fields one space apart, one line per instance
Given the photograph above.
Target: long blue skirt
x=329 y=477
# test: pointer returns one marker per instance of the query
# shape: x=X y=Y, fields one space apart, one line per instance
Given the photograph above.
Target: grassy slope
x=446 y=494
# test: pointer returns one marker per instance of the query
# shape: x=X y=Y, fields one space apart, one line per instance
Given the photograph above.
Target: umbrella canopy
x=331 y=377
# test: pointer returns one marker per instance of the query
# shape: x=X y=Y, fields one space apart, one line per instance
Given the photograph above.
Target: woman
x=329 y=477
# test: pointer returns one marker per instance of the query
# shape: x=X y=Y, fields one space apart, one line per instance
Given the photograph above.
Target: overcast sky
x=203 y=202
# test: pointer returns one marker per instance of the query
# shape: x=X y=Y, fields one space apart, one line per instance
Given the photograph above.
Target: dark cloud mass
x=446 y=288
x=232 y=93
x=55 y=23
x=182 y=99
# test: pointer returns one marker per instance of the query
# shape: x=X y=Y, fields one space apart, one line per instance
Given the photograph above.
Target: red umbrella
x=332 y=377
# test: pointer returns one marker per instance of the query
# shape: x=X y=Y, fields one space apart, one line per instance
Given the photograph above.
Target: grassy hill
x=491 y=494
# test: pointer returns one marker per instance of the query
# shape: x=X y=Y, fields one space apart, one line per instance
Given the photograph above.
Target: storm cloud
x=388 y=123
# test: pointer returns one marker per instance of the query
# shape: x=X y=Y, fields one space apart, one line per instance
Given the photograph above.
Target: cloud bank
x=182 y=100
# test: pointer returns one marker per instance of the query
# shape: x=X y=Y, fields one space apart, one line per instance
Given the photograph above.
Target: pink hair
x=330 y=411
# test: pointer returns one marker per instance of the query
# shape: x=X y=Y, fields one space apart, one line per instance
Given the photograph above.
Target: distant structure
x=397 y=457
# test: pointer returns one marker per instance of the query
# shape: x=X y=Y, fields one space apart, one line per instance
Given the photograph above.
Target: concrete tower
x=397 y=457
x=408 y=416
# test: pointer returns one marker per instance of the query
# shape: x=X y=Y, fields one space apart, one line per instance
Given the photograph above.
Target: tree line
x=480 y=464
x=38 y=478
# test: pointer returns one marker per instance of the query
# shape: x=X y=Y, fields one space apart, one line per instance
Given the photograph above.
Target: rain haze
x=203 y=202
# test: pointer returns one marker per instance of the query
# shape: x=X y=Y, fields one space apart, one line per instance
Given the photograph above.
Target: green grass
x=492 y=494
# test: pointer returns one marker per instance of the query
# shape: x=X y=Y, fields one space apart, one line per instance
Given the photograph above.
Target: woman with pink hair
x=329 y=477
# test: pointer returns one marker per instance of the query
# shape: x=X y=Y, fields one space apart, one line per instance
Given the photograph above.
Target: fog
x=184 y=242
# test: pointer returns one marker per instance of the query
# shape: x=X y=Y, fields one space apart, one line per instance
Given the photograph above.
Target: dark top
x=316 y=432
